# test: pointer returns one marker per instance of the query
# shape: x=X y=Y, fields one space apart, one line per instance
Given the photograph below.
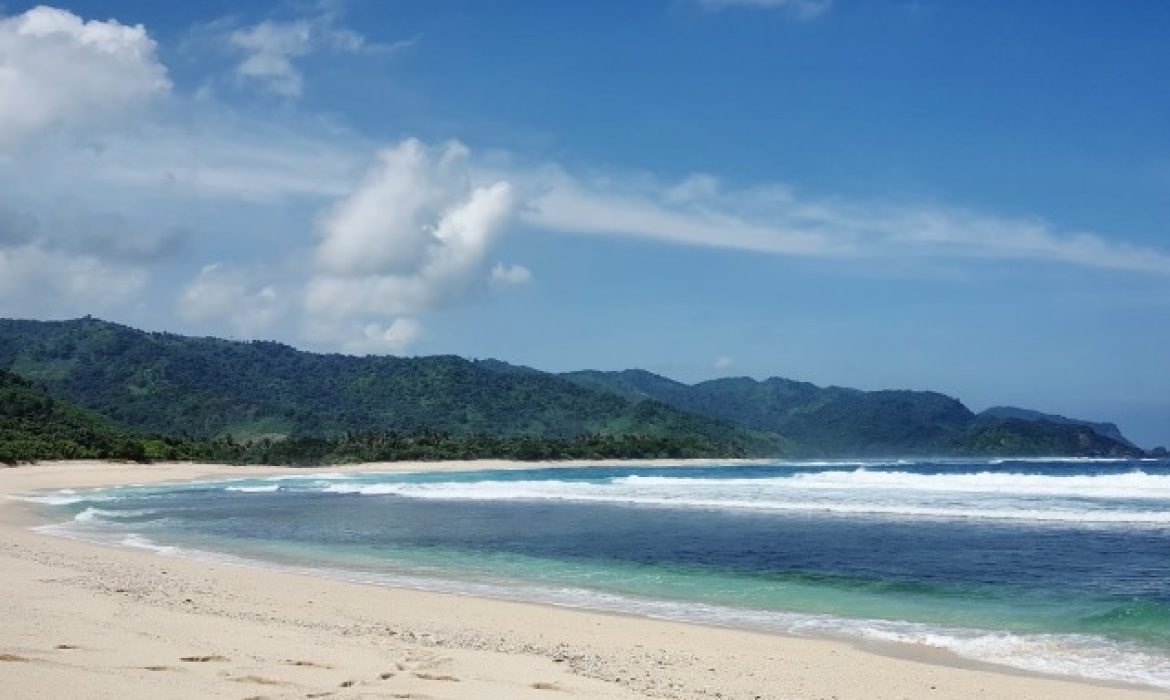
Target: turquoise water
x=1057 y=566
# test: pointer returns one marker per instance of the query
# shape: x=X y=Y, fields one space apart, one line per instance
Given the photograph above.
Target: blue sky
x=967 y=197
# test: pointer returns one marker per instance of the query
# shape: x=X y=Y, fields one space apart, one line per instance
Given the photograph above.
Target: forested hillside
x=1109 y=430
x=207 y=387
x=836 y=421
x=35 y=426
x=263 y=401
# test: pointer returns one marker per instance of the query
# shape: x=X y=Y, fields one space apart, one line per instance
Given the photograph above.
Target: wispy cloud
x=378 y=236
x=723 y=364
x=511 y=274
x=569 y=205
x=271 y=48
x=775 y=219
x=225 y=157
x=797 y=9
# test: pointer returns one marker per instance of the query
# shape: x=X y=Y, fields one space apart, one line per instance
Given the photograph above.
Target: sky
x=971 y=198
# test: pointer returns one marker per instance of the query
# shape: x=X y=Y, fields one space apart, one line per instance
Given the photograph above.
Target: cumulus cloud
x=57 y=70
x=271 y=48
x=388 y=223
x=73 y=261
x=226 y=294
x=413 y=235
x=38 y=281
x=798 y=9
x=411 y=238
x=377 y=338
x=61 y=74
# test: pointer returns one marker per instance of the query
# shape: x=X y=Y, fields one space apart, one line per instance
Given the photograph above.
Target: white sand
x=80 y=620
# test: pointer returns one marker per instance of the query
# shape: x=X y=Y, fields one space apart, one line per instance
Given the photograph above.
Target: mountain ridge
x=169 y=384
x=208 y=387
x=1100 y=427
x=835 y=420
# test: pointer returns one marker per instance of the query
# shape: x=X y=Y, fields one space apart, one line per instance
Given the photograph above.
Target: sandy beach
x=85 y=620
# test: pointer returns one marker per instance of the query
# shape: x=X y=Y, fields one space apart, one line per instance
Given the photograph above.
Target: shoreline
x=496 y=648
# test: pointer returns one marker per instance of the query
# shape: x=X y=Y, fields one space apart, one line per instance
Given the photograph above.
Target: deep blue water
x=1053 y=566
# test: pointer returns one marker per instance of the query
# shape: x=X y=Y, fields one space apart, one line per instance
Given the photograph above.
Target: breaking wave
x=1135 y=498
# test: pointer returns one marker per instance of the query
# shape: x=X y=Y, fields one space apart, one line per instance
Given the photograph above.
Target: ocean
x=1056 y=566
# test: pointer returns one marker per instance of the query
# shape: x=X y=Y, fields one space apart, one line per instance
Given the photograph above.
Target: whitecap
x=254 y=489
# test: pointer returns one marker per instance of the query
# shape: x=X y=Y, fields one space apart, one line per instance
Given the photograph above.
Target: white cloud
x=62 y=80
x=376 y=338
x=225 y=294
x=223 y=159
x=36 y=281
x=57 y=70
x=569 y=205
x=774 y=219
x=693 y=188
x=960 y=233
x=511 y=274
x=799 y=9
x=270 y=49
x=414 y=235
x=68 y=228
x=411 y=238
x=71 y=262
x=387 y=224
x=723 y=363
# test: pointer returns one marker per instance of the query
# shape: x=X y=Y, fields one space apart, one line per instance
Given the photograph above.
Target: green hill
x=1038 y=438
x=1108 y=430
x=207 y=387
x=35 y=426
x=836 y=421
x=293 y=405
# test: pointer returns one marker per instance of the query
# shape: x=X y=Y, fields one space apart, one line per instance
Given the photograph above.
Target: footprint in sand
x=66 y=646
x=257 y=680
x=14 y=658
x=309 y=664
x=203 y=659
x=542 y=685
x=436 y=677
x=158 y=668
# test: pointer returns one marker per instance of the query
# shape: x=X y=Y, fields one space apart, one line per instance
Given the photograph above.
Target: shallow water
x=1056 y=566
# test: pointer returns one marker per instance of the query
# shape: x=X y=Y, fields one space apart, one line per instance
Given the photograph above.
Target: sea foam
x=271 y=488
x=1134 y=498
